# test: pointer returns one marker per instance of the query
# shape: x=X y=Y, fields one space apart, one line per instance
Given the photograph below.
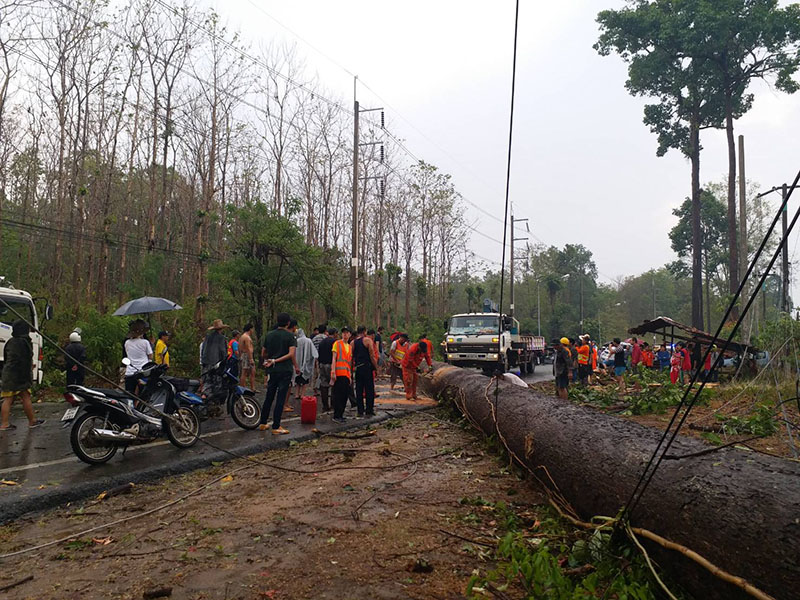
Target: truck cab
x=477 y=340
x=24 y=304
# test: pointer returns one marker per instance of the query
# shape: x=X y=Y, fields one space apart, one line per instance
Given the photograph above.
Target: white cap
x=74 y=337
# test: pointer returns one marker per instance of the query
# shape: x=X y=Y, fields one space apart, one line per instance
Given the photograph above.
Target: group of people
x=576 y=360
x=339 y=365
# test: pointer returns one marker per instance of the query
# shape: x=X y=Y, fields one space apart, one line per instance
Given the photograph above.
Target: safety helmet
x=74 y=337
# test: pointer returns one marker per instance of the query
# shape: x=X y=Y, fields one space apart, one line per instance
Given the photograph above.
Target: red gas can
x=308 y=409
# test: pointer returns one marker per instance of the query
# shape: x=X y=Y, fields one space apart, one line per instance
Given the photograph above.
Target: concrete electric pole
x=513 y=239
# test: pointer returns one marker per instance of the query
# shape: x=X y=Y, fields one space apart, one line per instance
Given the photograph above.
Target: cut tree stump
x=738 y=509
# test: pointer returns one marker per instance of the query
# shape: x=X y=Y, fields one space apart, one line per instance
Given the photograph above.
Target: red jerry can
x=308 y=410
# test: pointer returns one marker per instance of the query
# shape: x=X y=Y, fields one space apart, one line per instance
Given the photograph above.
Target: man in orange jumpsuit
x=413 y=358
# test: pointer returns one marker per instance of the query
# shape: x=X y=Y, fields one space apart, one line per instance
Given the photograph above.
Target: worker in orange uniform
x=341 y=374
x=584 y=358
x=413 y=358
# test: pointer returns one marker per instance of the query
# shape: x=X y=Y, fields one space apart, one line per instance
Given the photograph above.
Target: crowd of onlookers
x=578 y=360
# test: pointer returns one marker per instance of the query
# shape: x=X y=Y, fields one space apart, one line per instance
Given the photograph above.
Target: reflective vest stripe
x=344 y=355
x=583 y=355
x=400 y=352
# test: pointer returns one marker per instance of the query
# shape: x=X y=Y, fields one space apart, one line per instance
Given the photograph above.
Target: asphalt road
x=44 y=471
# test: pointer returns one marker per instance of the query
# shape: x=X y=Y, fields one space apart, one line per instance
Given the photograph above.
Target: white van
x=21 y=302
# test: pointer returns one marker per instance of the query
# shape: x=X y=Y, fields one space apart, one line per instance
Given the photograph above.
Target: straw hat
x=218 y=324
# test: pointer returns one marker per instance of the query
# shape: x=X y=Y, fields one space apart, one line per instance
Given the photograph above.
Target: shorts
x=562 y=381
x=584 y=371
x=325 y=375
x=300 y=380
x=13 y=393
x=620 y=371
x=247 y=362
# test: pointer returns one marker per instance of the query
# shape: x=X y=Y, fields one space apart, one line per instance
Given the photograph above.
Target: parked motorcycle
x=238 y=401
x=106 y=419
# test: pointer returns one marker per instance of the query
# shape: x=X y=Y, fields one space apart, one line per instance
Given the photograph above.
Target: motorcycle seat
x=182 y=384
x=118 y=394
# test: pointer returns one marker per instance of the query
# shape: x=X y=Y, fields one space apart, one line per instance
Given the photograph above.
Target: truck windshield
x=474 y=324
x=22 y=305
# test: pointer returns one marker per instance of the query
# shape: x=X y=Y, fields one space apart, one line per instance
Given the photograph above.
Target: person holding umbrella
x=139 y=352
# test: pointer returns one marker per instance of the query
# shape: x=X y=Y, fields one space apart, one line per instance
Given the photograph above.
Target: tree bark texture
x=737 y=509
x=697 y=242
x=733 y=242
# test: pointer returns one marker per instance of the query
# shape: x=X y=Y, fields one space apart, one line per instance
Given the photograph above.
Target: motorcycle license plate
x=70 y=414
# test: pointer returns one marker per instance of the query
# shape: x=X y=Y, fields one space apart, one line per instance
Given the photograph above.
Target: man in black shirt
x=325 y=361
x=278 y=356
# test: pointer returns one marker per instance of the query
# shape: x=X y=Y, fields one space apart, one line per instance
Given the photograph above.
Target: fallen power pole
x=736 y=508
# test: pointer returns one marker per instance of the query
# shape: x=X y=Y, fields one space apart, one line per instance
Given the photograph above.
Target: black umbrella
x=146 y=305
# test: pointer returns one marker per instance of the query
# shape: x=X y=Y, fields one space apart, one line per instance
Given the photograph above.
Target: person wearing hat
x=161 y=355
x=75 y=359
x=18 y=375
x=561 y=367
x=215 y=351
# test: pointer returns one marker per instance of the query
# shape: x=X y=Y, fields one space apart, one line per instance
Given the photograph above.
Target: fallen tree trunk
x=738 y=509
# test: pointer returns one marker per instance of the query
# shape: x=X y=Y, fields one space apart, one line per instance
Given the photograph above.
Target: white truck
x=23 y=303
x=477 y=340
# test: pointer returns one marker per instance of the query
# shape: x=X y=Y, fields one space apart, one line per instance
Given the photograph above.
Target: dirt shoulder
x=365 y=518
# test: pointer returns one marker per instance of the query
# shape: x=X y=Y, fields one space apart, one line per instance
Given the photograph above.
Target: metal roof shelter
x=669 y=329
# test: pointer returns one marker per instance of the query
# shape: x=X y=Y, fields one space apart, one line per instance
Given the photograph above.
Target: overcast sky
x=584 y=168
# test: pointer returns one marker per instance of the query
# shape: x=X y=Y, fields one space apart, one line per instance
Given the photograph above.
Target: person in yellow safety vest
x=341 y=374
x=397 y=353
x=584 y=359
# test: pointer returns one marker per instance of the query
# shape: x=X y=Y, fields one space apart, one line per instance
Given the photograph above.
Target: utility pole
x=655 y=314
x=785 y=251
x=513 y=239
x=354 y=258
x=743 y=261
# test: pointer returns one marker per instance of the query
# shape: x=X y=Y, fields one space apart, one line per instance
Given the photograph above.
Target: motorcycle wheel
x=245 y=412
x=93 y=452
x=186 y=432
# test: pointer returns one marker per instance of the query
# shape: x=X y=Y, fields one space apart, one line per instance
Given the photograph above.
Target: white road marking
x=69 y=459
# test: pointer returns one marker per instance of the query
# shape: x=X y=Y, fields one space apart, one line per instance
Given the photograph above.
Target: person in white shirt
x=139 y=352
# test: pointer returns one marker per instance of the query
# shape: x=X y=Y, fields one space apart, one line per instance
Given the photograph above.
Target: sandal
x=280 y=431
x=10 y=427
x=36 y=423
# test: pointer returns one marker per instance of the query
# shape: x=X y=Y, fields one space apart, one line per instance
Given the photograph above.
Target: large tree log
x=738 y=509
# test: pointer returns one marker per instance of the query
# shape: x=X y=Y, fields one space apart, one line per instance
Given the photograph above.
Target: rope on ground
x=646 y=556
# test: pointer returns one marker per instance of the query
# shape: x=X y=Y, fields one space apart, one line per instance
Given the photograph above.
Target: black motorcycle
x=225 y=394
x=106 y=419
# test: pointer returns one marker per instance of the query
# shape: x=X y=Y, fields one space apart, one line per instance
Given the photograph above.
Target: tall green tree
x=752 y=39
x=667 y=60
x=714 y=243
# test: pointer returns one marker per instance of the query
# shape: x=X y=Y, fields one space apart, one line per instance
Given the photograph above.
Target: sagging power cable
x=664 y=445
